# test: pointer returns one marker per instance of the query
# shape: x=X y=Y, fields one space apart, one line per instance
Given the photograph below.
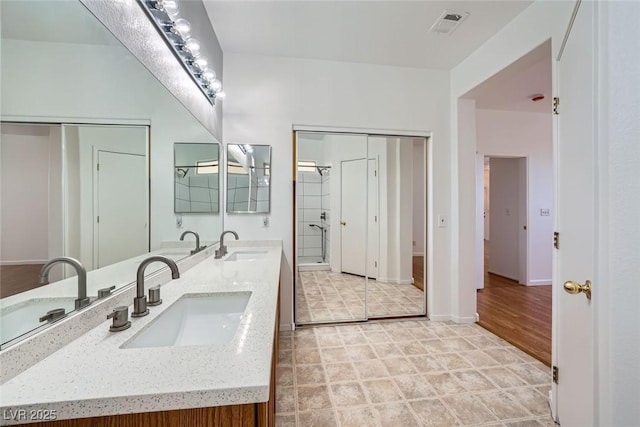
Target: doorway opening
x=514 y=203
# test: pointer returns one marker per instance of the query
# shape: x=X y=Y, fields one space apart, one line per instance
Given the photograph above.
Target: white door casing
x=353 y=216
x=373 y=229
x=575 y=221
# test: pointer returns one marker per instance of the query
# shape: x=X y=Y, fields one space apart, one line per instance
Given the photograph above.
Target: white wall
x=25 y=188
x=62 y=94
x=267 y=95
x=518 y=134
x=538 y=23
x=504 y=244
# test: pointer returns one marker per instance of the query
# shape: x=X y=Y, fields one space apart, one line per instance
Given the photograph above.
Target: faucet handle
x=53 y=315
x=120 y=316
x=154 y=296
x=105 y=292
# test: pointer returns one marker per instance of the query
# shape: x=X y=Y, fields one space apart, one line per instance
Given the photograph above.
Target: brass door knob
x=343 y=223
x=575 y=288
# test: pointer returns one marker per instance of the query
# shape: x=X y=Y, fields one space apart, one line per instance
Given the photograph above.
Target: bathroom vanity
x=205 y=357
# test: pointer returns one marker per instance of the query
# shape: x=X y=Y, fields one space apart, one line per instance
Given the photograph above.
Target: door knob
x=575 y=288
x=343 y=223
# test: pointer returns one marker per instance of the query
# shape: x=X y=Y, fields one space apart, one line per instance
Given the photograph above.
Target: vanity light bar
x=176 y=32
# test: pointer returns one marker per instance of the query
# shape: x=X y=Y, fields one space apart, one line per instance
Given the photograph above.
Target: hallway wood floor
x=518 y=314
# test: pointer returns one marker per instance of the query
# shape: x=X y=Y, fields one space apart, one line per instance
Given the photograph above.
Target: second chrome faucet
x=198 y=247
x=140 y=301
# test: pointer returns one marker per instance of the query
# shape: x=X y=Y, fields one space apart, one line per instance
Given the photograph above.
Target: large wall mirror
x=248 y=178
x=87 y=136
x=360 y=208
x=197 y=178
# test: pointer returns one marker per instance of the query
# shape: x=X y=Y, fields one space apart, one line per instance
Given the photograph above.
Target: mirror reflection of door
x=360 y=227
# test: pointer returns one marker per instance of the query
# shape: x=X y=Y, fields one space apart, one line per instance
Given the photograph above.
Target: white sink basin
x=246 y=255
x=194 y=319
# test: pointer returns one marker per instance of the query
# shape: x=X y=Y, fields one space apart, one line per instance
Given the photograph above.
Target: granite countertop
x=93 y=376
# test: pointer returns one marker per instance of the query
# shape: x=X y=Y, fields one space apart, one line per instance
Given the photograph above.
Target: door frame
x=428 y=277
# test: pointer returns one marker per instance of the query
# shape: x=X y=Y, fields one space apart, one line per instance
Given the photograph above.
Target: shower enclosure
x=313 y=216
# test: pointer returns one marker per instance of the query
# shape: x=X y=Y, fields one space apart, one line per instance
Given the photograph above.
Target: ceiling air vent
x=448 y=21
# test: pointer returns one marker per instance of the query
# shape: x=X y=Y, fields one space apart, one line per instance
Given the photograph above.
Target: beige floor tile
x=530 y=374
x=377 y=337
x=432 y=413
x=532 y=400
x=458 y=345
x=503 y=356
x=396 y=415
x=381 y=391
x=444 y=383
x=360 y=352
x=312 y=398
x=286 y=420
x=451 y=361
x=388 y=349
x=285 y=400
x=354 y=338
x=481 y=341
x=348 y=394
x=503 y=377
x=479 y=359
x=337 y=372
x=426 y=364
x=399 y=366
x=306 y=355
x=309 y=374
x=468 y=409
x=412 y=348
x=474 y=380
x=326 y=418
x=305 y=341
x=357 y=417
x=414 y=387
x=503 y=406
x=335 y=355
x=284 y=375
x=285 y=357
x=371 y=369
x=524 y=423
x=404 y=335
x=329 y=340
x=421 y=333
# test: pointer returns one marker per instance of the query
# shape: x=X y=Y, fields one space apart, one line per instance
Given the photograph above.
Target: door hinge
x=556 y=240
x=375 y=173
x=97 y=166
x=98 y=219
x=556 y=103
x=554 y=374
x=375 y=264
x=375 y=218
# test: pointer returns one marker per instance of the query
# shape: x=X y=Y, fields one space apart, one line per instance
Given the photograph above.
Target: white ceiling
x=511 y=89
x=388 y=32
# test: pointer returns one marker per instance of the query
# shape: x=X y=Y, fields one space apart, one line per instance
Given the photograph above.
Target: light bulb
x=201 y=63
x=193 y=46
x=221 y=94
x=182 y=27
x=169 y=6
x=215 y=85
x=208 y=75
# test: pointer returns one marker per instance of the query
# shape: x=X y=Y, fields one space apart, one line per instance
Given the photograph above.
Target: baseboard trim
x=439 y=317
x=418 y=254
x=23 y=262
x=539 y=282
x=506 y=276
x=287 y=326
x=471 y=319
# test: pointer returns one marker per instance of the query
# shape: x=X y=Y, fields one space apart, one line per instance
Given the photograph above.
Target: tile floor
x=328 y=296
x=407 y=373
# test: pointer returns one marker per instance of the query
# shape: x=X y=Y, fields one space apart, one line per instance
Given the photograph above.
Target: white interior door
x=575 y=258
x=121 y=220
x=353 y=216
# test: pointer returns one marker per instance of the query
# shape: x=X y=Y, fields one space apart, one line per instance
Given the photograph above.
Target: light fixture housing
x=176 y=32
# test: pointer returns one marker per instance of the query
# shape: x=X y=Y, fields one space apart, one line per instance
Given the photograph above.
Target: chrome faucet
x=198 y=248
x=82 y=300
x=140 y=301
x=222 y=250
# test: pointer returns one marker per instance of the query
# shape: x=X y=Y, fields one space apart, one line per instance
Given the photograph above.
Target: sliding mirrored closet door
x=360 y=227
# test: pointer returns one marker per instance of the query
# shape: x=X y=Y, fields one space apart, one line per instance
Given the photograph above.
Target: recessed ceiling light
x=448 y=21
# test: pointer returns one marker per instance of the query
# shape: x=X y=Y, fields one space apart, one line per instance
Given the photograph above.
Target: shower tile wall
x=197 y=193
x=311 y=203
x=240 y=191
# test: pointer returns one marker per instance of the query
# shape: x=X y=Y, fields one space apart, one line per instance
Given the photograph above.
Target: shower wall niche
x=314 y=212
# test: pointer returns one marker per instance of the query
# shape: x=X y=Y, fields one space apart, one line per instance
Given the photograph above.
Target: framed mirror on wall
x=360 y=207
x=79 y=180
x=248 y=178
x=197 y=178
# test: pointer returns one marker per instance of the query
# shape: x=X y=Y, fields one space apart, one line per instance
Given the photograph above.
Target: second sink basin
x=246 y=255
x=195 y=319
